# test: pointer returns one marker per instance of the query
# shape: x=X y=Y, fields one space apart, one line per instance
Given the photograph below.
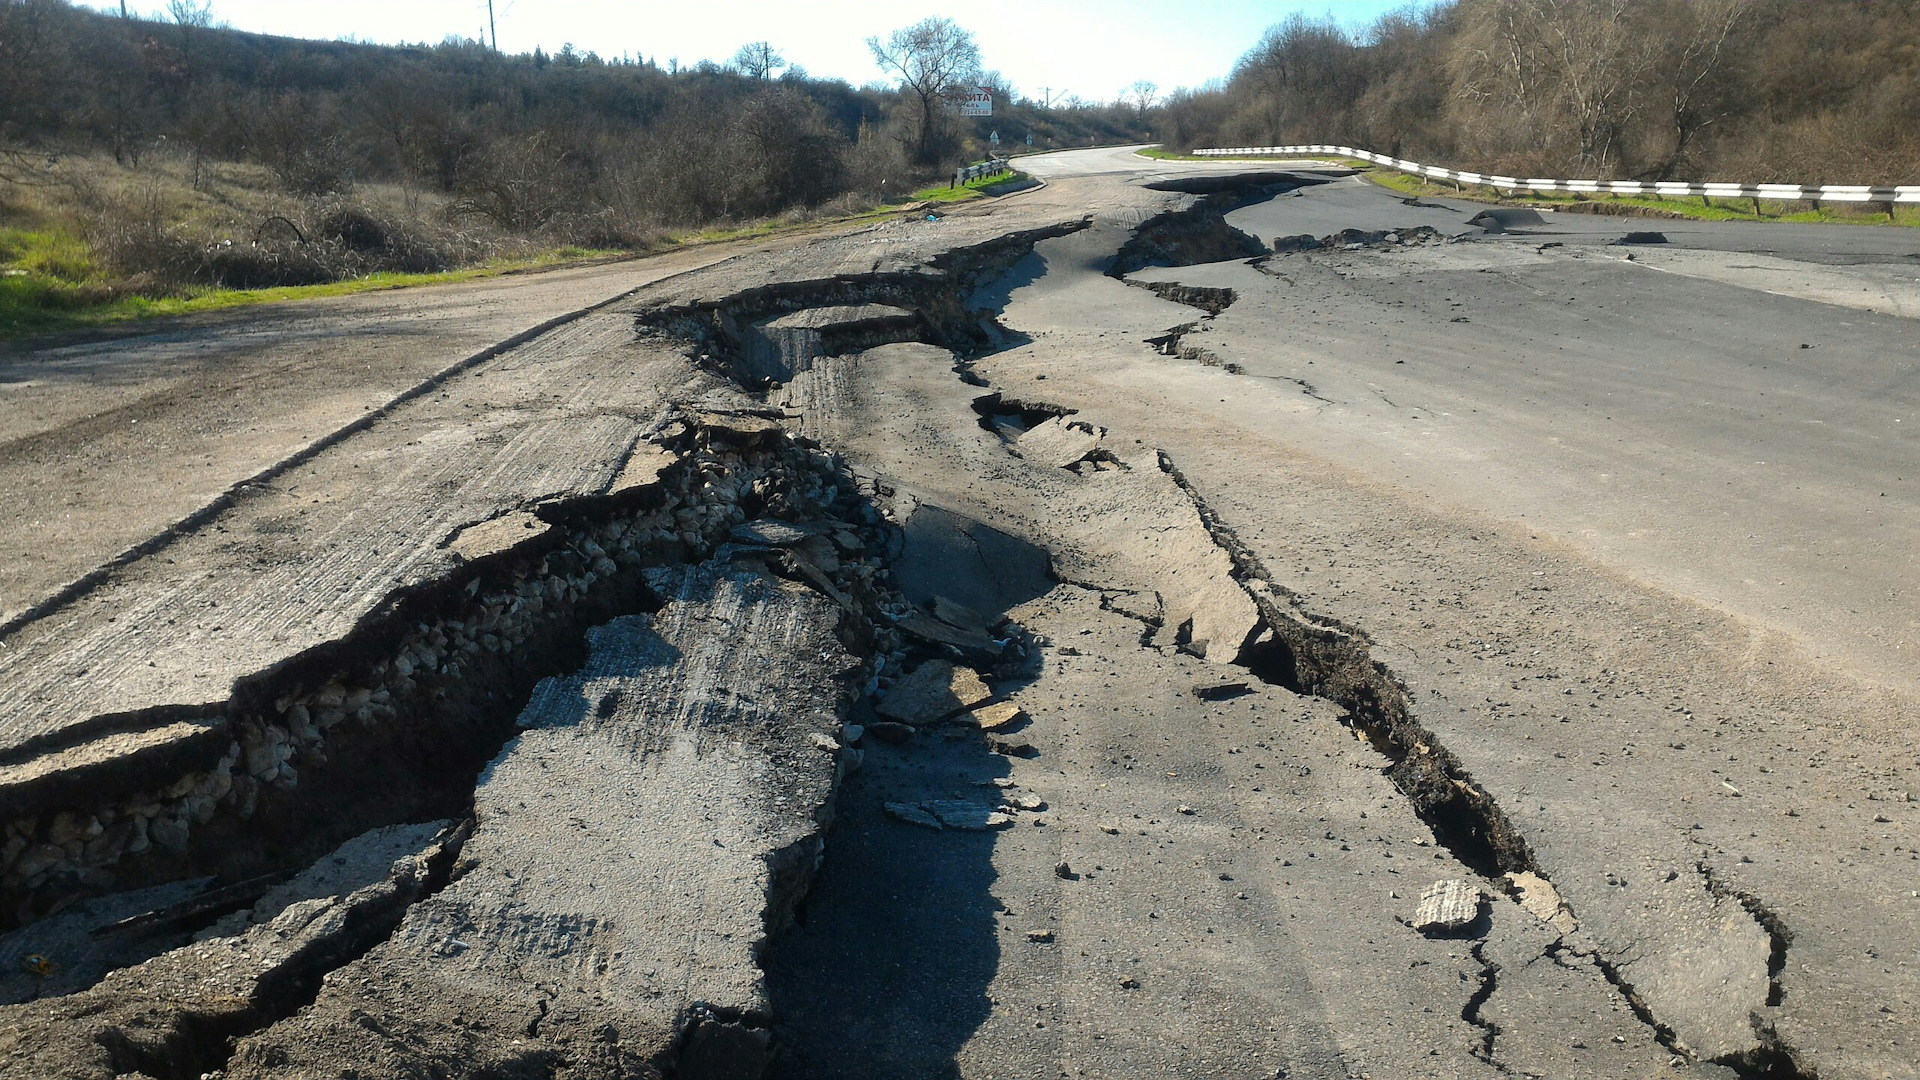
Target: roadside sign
x=978 y=102
x=994 y=138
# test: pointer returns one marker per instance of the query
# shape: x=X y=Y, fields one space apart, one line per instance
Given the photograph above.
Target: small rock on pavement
x=1040 y=935
x=999 y=715
x=1447 y=906
x=932 y=692
x=1221 y=691
x=889 y=732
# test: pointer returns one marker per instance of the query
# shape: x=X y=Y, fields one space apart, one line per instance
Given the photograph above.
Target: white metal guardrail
x=989 y=167
x=1855 y=193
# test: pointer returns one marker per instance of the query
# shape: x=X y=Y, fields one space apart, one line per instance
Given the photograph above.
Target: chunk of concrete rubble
x=171 y=1015
x=967 y=815
x=657 y=818
x=932 y=692
x=1059 y=442
x=994 y=717
x=1448 y=907
x=1537 y=896
x=504 y=533
x=914 y=815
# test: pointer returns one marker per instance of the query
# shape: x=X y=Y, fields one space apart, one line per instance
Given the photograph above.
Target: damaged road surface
x=1180 y=620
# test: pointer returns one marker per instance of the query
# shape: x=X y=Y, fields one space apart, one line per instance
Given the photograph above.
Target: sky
x=1091 y=48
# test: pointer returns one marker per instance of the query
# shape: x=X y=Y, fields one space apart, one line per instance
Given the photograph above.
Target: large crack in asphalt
x=458 y=662
x=393 y=721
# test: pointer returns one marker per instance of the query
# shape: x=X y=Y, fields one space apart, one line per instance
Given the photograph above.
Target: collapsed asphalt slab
x=633 y=849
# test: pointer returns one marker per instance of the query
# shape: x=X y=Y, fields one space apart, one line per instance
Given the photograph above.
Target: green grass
x=972 y=189
x=48 y=284
x=1692 y=208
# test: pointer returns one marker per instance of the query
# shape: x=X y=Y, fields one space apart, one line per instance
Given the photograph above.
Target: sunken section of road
x=656 y=820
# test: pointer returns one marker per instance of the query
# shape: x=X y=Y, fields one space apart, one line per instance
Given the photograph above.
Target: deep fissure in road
x=393 y=722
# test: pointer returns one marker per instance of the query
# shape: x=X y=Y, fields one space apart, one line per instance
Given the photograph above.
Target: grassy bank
x=36 y=303
x=56 y=276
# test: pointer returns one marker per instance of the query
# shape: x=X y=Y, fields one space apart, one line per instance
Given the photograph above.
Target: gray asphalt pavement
x=1204 y=621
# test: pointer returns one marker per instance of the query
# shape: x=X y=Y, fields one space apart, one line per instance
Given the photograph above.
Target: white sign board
x=977 y=102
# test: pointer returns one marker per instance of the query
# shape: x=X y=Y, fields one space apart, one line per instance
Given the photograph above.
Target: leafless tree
x=758 y=60
x=933 y=59
x=1142 y=95
x=1696 y=86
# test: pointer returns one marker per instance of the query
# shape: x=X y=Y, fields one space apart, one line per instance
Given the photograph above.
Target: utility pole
x=491 y=27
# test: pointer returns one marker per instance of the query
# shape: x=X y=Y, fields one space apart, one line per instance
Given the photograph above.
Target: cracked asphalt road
x=1504 y=559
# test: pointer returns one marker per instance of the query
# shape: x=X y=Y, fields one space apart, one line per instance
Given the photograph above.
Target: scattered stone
x=1111 y=828
x=1129 y=983
x=851 y=734
x=891 y=733
x=1041 y=936
x=1447 y=906
x=967 y=815
x=1013 y=749
x=1030 y=803
x=932 y=692
x=1064 y=872
x=913 y=815
x=1188 y=810
x=1221 y=691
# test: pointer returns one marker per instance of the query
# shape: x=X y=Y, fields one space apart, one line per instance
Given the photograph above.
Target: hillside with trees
x=154 y=156
x=1750 y=90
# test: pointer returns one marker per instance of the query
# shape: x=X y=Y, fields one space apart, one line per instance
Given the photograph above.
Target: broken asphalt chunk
x=1000 y=714
x=1221 y=691
x=932 y=692
x=1448 y=907
x=972 y=645
x=913 y=815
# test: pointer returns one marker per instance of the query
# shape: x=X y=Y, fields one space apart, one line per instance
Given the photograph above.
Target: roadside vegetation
x=1756 y=91
x=158 y=167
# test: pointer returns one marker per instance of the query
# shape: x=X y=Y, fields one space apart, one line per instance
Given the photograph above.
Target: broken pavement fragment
x=963 y=815
x=172 y=1015
x=994 y=717
x=932 y=692
x=1059 y=442
x=658 y=817
x=1448 y=907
